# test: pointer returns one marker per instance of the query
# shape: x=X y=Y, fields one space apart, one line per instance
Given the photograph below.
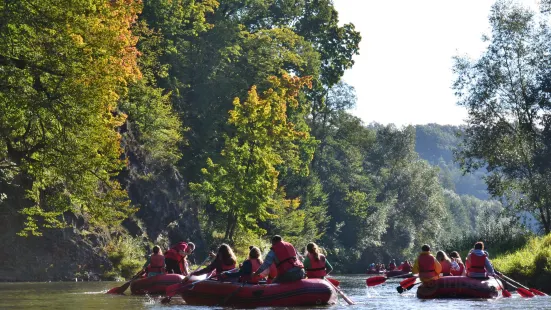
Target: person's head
x=479 y=245
x=313 y=249
x=425 y=248
x=276 y=239
x=455 y=255
x=441 y=256
x=254 y=253
x=225 y=254
x=157 y=250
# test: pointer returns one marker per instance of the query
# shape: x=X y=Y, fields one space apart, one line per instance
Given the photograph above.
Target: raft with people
x=306 y=292
x=460 y=287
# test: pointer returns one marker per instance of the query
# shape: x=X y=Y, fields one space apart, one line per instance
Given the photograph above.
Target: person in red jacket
x=155 y=264
x=426 y=265
x=248 y=267
x=455 y=257
x=478 y=264
x=285 y=257
x=315 y=263
x=225 y=261
x=175 y=258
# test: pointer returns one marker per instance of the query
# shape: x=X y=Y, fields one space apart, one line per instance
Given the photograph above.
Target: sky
x=403 y=74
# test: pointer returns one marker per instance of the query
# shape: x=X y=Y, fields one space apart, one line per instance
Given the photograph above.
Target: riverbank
x=530 y=265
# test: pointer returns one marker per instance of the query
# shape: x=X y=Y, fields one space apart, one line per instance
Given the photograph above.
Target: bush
x=127 y=256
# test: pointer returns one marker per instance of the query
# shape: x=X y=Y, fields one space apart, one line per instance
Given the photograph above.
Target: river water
x=91 y=295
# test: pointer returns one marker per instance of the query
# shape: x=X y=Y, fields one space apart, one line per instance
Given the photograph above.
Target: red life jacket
x=446 y=267
x=477 y=263
x=426 y=266
x=156 y=264
x=251 y=278
x=406 y=267
x=221 y=267
x=173 y=254
x=286 y=256
x=317 y=267
x=391 y=266
x=458 y=272
x=272 y=274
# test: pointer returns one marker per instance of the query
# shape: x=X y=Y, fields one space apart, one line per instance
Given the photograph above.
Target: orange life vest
x=156 y=263
x=446 y=267
x=272 y=274
x=426 y=266
x=286 y=256
x=251 y=278
x=221 y=267
x=317 y=267
x=477 y=263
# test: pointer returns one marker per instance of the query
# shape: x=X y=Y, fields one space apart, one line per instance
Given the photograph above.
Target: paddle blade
x=506 y=293
x=400 y=289
x=372 y=281
x=119 y=290
x=408 y=282
x=536 y=292
x=524 y=292
x=335 y=282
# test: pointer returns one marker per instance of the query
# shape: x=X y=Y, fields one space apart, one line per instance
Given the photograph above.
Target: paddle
x=230 y=296
x=333 y=281
x=376 y=280
x=348 y=300
x=504 y=291
x=120 y=290
x=521 y=291
x=407 y=284
x=533 y=290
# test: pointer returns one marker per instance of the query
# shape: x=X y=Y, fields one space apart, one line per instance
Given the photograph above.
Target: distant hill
x=436 y=144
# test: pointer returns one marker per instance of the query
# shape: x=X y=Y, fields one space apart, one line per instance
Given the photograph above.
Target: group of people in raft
x=405 y=266
x=282 y=263
x=477 y=264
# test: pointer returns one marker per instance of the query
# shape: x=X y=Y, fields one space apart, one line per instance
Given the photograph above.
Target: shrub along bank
x=530 y=265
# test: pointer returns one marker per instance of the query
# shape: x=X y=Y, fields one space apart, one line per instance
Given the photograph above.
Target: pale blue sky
x=403 y=73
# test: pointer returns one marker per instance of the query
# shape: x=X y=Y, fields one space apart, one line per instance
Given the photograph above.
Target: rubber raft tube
x=308 y=292
x=460 y=287
x=398 y=274
x=157 y=285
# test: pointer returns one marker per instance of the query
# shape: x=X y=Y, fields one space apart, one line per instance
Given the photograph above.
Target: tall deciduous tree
x=244 y=183
x=63 y=66
x=508 y=105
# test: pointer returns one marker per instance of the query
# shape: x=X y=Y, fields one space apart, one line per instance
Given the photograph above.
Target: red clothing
x=446 y=267
x=477 y=264
x=251 y=278
x=426 y=267
x=391 y=266
x=317 y=267
x=272 y=274
x=156 y=264
x=460 y=271
x=287 y=257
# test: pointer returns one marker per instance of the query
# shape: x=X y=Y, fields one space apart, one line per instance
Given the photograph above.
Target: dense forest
x=125 y=124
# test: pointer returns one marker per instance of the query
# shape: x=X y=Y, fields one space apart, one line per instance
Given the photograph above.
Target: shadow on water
x=91 y=295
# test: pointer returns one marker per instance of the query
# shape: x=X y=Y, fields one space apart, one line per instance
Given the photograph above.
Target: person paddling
x=225 y=260
x=285 y=256
x=426 y=265
x=457 y=259
x=478 y=264
x=155 y=264
x=247 y=268
x=315 y=263
x=392 y=265
x=176 y=258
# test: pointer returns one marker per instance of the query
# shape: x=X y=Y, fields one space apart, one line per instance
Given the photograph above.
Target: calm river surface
x=91 y=295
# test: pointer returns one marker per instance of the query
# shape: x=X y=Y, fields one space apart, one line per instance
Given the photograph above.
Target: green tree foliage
x=63 y=66
x=244 y=184
x=508 y=110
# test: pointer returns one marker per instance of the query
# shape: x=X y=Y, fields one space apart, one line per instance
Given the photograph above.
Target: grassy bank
x=530 y=265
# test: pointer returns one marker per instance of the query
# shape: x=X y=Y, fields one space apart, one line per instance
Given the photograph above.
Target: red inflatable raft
x=157 y=285
x=398 y=274
x=308 y=292
x=460 y=287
